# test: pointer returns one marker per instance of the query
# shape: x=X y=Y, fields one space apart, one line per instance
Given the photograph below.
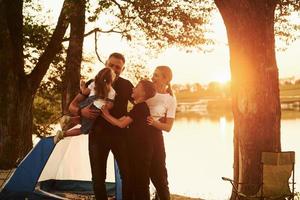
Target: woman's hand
x=164 y=124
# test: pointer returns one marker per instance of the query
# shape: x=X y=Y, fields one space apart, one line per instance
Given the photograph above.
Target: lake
x=200 y=151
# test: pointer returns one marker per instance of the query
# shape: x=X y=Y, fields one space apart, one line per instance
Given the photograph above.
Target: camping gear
x=49 y=171
x=277 y=170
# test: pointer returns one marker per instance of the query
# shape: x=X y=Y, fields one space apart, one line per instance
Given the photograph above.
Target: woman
x=162 y=109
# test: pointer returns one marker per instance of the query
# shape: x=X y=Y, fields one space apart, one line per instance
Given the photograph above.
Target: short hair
x=118 y=56
x=149 y=88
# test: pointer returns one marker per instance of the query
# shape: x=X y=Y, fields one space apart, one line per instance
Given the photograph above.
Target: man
x=104 y=137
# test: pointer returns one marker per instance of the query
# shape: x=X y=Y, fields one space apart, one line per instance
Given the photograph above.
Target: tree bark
x=13 y=130
x=255 y=87
x=71 y=77
x=17 y=89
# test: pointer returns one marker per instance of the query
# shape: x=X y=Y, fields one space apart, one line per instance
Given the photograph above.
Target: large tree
x=18 y=88
x=255 y=86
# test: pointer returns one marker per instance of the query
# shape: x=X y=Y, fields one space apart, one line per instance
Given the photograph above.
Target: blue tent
x=49 y=170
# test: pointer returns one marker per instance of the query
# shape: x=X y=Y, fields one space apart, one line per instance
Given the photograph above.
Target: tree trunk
x=71 y=77
x=15 y=110
x=17 y=88
x=255 y=87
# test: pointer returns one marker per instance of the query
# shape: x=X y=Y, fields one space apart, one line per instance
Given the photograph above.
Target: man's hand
x=90 y=113
x=150 y=120
x=104 y=110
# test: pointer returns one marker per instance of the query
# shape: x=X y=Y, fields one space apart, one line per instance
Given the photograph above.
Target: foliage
x=287 y=28
x=159 y=23
x=137 y=72
x=152 y=25
x=297 y=196
x=36 y=33
x=47 y=108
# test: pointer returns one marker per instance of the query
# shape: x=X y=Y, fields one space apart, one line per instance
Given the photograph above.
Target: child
x=139 y=144
x=99 y=93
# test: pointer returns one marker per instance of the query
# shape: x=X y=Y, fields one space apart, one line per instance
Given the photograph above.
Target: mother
x=162 y=109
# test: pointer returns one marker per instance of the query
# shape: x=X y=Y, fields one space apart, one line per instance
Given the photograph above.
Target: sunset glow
x=187 y=67
x=158 y=87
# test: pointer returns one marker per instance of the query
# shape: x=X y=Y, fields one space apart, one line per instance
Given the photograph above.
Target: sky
x=188 y=67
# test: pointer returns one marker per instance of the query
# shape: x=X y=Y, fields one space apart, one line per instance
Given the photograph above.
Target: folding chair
x=277 y=169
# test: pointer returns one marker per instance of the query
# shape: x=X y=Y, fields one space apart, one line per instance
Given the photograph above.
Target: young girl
x=99 y=93
x=140 y=150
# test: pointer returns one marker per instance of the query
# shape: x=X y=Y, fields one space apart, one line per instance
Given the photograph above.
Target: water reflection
x=212 y=116
x=222 y=125
x=200 y=151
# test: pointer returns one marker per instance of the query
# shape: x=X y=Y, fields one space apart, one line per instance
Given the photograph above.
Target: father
x=104 y=137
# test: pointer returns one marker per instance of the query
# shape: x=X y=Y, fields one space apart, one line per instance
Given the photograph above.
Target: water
x=200 y=151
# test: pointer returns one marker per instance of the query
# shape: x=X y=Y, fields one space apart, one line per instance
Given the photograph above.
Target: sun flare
x=222 y=78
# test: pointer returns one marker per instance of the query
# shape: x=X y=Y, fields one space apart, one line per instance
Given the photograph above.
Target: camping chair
x=277 y=168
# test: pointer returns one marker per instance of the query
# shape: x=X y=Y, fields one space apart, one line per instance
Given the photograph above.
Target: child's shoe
x=65 y=122
x=59 y=136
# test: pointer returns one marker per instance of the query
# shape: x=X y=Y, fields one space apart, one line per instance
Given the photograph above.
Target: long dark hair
x=103 y=80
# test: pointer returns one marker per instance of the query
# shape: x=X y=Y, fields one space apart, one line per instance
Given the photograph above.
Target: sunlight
x=222 y=78
x=187 y=67
x=200 y=147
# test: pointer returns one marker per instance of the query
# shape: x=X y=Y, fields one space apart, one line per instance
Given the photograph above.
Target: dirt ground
x=4 y=174
x=78 y=197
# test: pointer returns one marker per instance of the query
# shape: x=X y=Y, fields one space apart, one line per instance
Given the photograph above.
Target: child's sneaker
x=59 y=136
x=65 y=122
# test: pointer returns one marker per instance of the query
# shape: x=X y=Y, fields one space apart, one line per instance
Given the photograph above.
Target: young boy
x=140 y=149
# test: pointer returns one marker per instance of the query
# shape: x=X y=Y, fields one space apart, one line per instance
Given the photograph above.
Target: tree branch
x=120 y=7
x=52 y=49
x=96 y=48
x=95 y=30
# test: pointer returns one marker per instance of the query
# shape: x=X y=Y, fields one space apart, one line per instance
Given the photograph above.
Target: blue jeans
x=86 y=124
